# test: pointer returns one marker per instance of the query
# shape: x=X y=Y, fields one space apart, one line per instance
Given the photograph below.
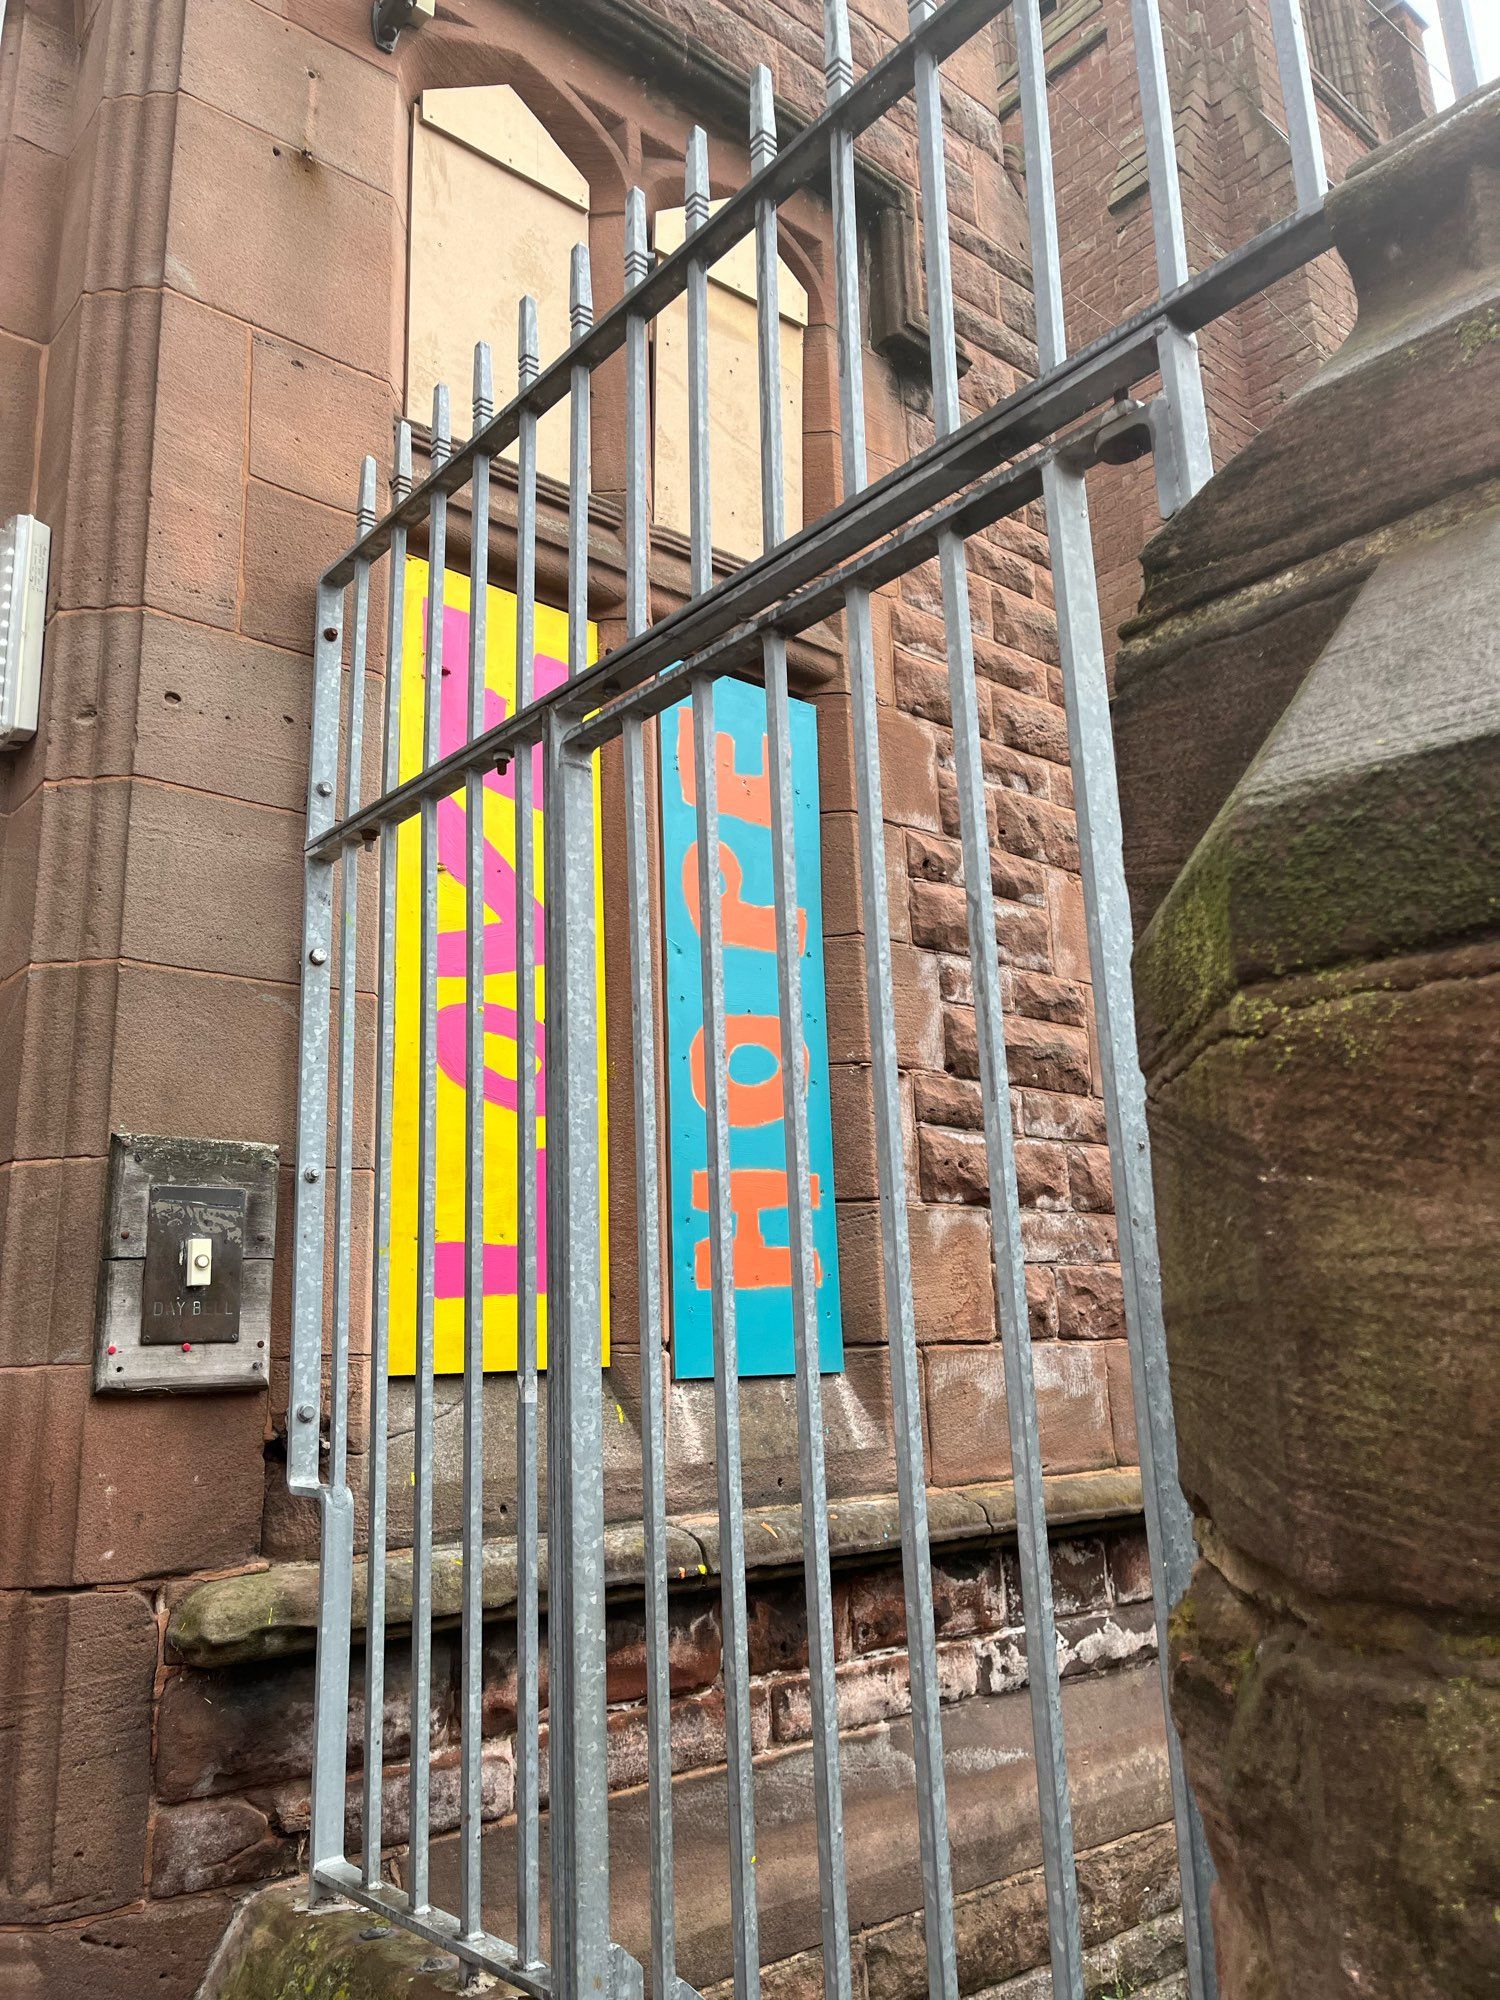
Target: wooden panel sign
x=500 y=993
x=757 y=1145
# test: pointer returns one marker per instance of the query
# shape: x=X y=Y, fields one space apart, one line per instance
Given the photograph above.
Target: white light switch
x=198 y=1260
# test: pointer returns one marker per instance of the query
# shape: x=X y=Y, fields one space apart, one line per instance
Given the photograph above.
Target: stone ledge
x=278 y=1948
x=273 y=1612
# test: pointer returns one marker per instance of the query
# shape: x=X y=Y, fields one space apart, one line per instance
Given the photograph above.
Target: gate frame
x=1035 y=444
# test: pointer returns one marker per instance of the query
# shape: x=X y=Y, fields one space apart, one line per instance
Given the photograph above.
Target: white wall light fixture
x=25 y=550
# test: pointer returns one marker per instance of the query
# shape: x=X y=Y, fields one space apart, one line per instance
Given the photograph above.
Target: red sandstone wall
x=1236 y=179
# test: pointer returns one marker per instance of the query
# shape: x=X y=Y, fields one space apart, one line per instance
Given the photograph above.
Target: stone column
x=1308 y=723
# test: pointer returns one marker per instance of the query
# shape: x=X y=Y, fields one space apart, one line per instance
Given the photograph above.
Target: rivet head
x=330 y=633
x=305 y=1413
x=324 y=789
x=317 y=956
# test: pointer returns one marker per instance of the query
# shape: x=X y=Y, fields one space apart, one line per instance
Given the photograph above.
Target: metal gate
x=1034 y=445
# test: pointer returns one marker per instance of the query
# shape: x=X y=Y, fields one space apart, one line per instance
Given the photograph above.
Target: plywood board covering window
x=734 y=399
x=496 y=207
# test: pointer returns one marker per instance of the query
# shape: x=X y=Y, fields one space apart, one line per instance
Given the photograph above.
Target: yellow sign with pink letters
x=498 y=1099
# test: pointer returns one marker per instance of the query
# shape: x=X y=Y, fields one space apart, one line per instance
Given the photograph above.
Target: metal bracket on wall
x=185 y=1276
x=389 y=17
x=1129 y=430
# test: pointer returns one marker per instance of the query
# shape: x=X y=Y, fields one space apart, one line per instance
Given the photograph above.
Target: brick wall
x=200 y=333
x=233 y=1750
x=1235 y=172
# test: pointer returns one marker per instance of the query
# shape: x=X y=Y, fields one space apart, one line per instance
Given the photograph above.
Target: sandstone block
x=195 y=523
x=1049 y=1114
x=238 y=874
x=968 y=1593
x=953 y=1287
x=965 y=1395
x=1129 y=1566
x=216 y=1844
x=1035 y=727
x=288 y=541
x=161 y=1948
x=694 y=1649
x=109 y=1490
x=46 y=1297
x=948 y=1100
x=1045 y=1054
x=312 y=421
x=76 y=1784
x=868 y=1691
x=1064 y=1236
x=20 y=404
x=281 y=79
x=288 y=208
x=1253 y=1691
x=250 y=1726
x=777 y=1626
x=1090 y=1303
x=877 y=1610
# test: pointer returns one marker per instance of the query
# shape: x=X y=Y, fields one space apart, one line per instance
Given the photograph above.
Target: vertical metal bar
x=1169 y=1528
x=1005 y=1212
x=306 y=1384
x=1461 y=44
x=906 y=1390
x=579 y=1791
x=647 y=1133
x=528 y=1623
x=336 y=1506
x=822 y=1684
x=421 y=1558
x=348 y=970
x=1091 y=749
x=333 y=1718
x=1177 y=352
x=380 y=1328
x=471 y=1733
x=744 y=1914
x=1309 y=174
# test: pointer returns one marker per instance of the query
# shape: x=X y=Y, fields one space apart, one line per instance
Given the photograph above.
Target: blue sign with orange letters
x=757 y=1137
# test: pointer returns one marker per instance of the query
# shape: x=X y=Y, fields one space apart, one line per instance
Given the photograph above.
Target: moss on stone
x=1398 y=857
x=1477 y=331
x=282 y=1951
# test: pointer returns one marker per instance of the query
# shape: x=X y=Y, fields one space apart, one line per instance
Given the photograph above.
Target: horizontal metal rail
x=1093 y=375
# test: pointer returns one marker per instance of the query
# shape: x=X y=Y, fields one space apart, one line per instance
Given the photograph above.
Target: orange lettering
x=742 y=794
x=758 y=1265
x=749 y=1103
x=751 y=925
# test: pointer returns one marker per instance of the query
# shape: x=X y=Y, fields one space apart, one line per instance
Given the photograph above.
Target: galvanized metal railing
x=1035 y=444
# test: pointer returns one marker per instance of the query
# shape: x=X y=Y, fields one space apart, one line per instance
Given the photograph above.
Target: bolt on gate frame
x=1033 y=445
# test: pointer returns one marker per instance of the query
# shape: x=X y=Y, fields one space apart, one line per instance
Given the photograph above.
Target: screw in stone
x=312 y=1173
x=305 y=1413
x=324 y=789
x=330 y=633
x=317 y=956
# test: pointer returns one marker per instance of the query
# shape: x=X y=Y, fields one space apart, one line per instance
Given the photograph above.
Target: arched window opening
x=496 y=207
x=734 y=406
